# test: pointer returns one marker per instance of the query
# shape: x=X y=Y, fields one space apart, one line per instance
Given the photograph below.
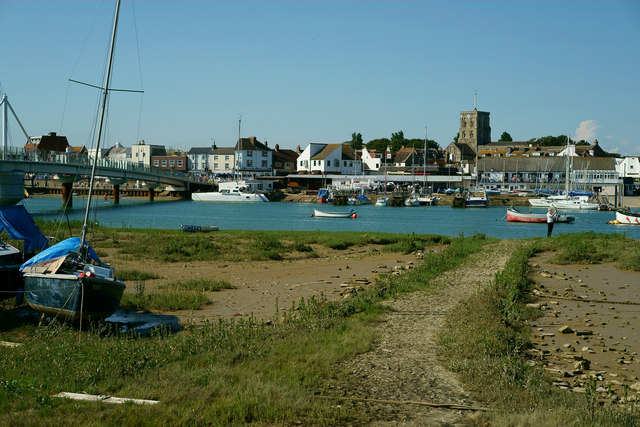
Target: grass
x=202 y=285
x=485 y=338
x=221 y=373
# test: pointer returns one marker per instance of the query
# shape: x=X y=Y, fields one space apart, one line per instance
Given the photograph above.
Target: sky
x=306 y=71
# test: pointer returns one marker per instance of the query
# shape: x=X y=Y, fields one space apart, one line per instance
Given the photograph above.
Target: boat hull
x=540 y=218
x=382 y=201
x=324 y=214
x=10 y=281
x=72 y=297
x=228 y=197
x=628 y=217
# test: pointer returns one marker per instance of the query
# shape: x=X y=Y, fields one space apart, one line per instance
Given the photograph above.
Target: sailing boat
x=68 y=279
x=566 y=201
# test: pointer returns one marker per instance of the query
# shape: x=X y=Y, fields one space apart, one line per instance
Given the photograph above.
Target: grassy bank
x=485 y=339
x=229 y=372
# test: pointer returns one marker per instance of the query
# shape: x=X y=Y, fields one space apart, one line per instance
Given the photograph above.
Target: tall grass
x=220 y=373
x=485 y=338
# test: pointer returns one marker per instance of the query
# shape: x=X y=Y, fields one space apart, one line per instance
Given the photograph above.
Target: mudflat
x=261 y=287
x=591 y=323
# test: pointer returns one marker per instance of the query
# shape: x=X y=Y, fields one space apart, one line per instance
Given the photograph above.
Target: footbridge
x=69 y=168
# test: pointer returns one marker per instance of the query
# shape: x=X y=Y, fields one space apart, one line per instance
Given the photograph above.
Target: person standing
x=552 y=214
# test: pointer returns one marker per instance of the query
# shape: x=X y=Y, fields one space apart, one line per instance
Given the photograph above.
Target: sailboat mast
x=567 y=171
x=105 y=93
x=424 y=169
x=4 y=126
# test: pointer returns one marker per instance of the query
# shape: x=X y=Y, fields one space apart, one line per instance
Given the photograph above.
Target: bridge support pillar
x=152 y=189
x=67 y=194
x=116 y=194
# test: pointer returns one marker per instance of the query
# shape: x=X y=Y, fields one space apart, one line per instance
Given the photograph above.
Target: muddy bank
x=590 y=326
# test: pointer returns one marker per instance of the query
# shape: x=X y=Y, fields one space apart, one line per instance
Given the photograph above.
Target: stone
x=635 y=386
x=565 y=330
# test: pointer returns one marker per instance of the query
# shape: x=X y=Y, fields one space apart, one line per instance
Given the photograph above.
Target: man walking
x=552 y=214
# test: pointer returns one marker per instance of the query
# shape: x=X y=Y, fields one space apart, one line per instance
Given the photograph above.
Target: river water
x=441 y=220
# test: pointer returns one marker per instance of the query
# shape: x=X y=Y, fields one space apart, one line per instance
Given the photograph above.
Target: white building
x=329 y=159
x=141 y=153
x=252 y=158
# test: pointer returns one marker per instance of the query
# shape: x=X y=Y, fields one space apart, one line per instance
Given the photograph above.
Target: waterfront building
x=221 y=160
x=252 y=158
x=284 y=161
x=173 y=163
x=142 y=152
x=320 y=158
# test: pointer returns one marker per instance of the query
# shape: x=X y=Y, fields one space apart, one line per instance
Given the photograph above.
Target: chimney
x=266 y=144
x=298 y=150
x=277 y=147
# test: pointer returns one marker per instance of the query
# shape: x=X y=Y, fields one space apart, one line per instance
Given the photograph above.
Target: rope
x=54 y=317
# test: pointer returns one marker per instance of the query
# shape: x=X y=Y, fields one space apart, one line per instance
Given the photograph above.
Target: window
x=315 y=162
x=264 y=154
x=179 y=163
x=226 y=165
x=215 y=166
x=264 y=163
x=350 y=164
x=226 y=157
x=249 y=163
x=336 y=163
x=215 y=157
x=172 y=163
x=164 y=163
x=249 y=153
x=344 y=163
x=156 y=162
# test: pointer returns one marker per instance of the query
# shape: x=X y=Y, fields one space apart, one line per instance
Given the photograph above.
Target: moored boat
x=513 y=215
x=382 y=201
x=326 y=214
x=627 y=216
x=68 y=279
x=412 y=201
x=198 y=228
x=233 y=194
x=71 y=282
x=18 y=224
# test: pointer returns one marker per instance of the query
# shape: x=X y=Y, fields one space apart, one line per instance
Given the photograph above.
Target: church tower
x=474 y=127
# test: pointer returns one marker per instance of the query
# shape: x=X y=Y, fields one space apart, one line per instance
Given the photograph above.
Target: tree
x=397 y=140
x=379 y=144
x=505 y=137
x=455 y=139
x=356 y=140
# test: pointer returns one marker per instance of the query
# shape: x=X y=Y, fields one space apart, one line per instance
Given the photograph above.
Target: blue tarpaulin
x=60 y=249
x=19 y=225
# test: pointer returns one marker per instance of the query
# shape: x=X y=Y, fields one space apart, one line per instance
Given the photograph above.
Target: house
x=222 y=160
x=284 y=161
x=319 y=158
x=252 y=158
x=174 y=163
x=198 y=160
x=142 y=153
x=372 y=160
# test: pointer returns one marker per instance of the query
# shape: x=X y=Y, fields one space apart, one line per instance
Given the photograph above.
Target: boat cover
x=61 y=249
x=19 y=225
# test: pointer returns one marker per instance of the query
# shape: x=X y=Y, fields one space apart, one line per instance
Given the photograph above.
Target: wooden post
x=67 y=194
x=152 y=193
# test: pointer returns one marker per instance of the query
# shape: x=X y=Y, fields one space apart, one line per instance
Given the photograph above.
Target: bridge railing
x=81 y=159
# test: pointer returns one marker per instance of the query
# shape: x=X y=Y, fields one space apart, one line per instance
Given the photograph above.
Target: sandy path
x=404 y=364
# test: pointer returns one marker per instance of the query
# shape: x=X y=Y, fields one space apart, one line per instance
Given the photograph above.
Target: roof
x=404 y=154
x=200 y=150
x=542 y=164
x=284 y=155
x=326 y=150
x=348 y=153
x=250 y=144
x=223 y=151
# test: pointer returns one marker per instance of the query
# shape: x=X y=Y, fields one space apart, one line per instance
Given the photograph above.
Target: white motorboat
x=412 y=201
x=382 y=201
x=626 y=216
x=235 y=193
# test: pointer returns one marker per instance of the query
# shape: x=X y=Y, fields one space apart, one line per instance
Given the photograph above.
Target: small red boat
x=514 y=215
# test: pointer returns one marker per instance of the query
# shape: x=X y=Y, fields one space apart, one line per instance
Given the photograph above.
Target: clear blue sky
x=317 y=71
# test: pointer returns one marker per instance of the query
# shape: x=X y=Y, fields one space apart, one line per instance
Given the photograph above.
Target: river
x=441 y=220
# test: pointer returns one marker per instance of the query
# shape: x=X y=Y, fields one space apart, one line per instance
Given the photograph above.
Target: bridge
x=70 y=167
